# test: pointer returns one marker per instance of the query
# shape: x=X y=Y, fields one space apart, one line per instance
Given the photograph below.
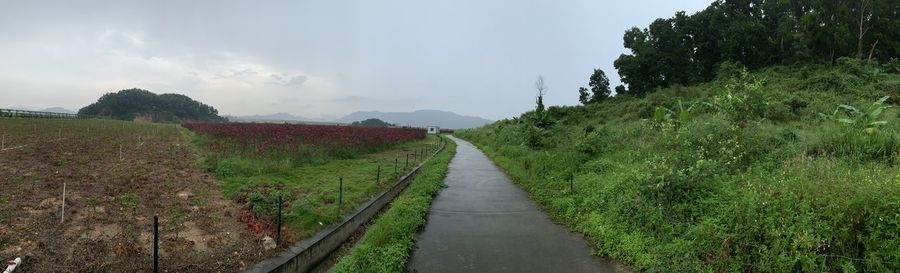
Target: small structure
x=434 y=130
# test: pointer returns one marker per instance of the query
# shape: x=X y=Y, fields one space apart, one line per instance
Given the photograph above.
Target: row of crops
x=297 y=141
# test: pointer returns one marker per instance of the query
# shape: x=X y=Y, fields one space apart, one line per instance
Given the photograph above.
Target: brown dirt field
x=111 y=200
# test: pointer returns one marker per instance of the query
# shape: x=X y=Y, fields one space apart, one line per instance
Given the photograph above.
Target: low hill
x=420 y=118
x=372 y=122
x=58 y=110
x=131 y=104
x=765 y=171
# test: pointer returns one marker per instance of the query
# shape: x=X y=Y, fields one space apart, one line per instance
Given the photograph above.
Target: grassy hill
x=758 y=171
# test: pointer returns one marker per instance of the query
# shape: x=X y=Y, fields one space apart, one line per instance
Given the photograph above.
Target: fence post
x=407 y=160
x=798 y=268
x=155 y=244
x=340 y=194
x=278 y=221
x=396 y=160
x=378 y=175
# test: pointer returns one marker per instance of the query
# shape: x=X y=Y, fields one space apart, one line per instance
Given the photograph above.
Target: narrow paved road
x=483 y=223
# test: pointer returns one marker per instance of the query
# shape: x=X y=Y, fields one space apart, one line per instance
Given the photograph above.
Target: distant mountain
x=58 y=110
x=51 y=109
x=270 y=117
x=420 y=118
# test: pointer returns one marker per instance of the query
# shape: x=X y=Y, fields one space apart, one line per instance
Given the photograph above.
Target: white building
x=434 y=130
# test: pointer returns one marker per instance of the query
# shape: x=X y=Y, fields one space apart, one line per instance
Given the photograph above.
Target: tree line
x=687 y=49
x=135 y=103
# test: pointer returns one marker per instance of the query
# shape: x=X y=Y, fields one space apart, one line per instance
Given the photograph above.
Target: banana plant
x=663 y=114
x=868 y=119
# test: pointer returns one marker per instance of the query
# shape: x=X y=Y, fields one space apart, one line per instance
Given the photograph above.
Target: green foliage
x=740 y=174
x=130 y=104
x=599 y=84
x=687 y=49
x=387 y=243
x=372 y=122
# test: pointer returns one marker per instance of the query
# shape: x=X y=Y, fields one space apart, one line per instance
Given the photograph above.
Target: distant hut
x=434 y=130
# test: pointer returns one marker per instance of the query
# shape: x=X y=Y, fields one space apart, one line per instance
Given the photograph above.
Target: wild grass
x=757 y=181
x=387 y=243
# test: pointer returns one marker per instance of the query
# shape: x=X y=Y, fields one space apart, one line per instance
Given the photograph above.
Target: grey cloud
x=467 y=56
x=285 y=80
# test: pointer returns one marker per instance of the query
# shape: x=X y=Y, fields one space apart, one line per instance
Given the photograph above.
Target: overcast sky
x=316 y=58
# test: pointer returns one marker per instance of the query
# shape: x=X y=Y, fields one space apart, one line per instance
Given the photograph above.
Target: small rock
x=268 y=243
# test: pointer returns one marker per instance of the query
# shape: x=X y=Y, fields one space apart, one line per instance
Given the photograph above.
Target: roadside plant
x=868 y=120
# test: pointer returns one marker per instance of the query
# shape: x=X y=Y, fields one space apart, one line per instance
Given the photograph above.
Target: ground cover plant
x=387 y=243
x=117 y=176
x=305 y=166
x=756 y=171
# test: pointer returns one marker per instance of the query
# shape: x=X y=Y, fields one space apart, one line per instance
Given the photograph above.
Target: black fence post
x=798 y=268
x=155 y=244
x=378 y=175
x=340 y=194
x=278 y=221
x=396 y=160
x=571 y=184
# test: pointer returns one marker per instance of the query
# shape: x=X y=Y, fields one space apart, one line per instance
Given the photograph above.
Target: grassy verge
x=762 y=183
x=311 y=191
x=386 y=245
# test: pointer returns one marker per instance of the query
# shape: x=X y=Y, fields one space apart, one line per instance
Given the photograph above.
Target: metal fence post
x=278 y=221
x=396 y=160
x=378 y=175
x=340 y=193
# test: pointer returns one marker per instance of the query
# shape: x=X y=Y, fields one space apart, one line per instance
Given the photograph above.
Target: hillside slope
x=752 y=172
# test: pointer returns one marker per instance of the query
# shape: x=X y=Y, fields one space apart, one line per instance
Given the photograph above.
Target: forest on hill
x=131 y=104
x=687 y=49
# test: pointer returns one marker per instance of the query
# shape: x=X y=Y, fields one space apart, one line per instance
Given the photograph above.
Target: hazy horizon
x=316 y=59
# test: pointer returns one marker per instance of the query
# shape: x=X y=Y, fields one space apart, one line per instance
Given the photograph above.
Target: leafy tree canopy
x=136 y=103
x=372 y=122
x=687 y=49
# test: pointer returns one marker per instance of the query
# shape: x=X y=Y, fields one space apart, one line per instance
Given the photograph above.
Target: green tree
x=138 y=103
x=583 y=96
x=599 y=84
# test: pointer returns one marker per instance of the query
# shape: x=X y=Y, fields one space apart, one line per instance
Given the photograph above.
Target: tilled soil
x=117 y=176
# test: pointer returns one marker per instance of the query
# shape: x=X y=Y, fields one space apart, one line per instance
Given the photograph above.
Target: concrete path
x=483 y=223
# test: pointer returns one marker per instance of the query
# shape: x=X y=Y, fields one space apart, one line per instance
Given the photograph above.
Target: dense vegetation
x=372 y=122
x=687 y=49
x=751 y=172
x=388 y=242
x=131 y=104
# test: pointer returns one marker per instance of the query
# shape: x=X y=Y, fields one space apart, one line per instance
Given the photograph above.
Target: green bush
x=755 y=182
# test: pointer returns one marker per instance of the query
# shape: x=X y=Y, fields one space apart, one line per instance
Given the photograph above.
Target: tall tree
x=583 y=96
x=599 y=84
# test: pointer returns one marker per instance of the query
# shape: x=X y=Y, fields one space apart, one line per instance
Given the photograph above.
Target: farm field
x=212 y=212
x=117 y=176
x=263 y=161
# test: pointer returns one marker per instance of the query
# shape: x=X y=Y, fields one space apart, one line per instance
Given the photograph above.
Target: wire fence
x=13 y=113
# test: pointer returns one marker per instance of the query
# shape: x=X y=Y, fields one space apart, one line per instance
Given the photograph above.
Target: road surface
x=483 y=223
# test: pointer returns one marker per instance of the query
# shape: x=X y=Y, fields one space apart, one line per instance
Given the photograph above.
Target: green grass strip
x=387 y=243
